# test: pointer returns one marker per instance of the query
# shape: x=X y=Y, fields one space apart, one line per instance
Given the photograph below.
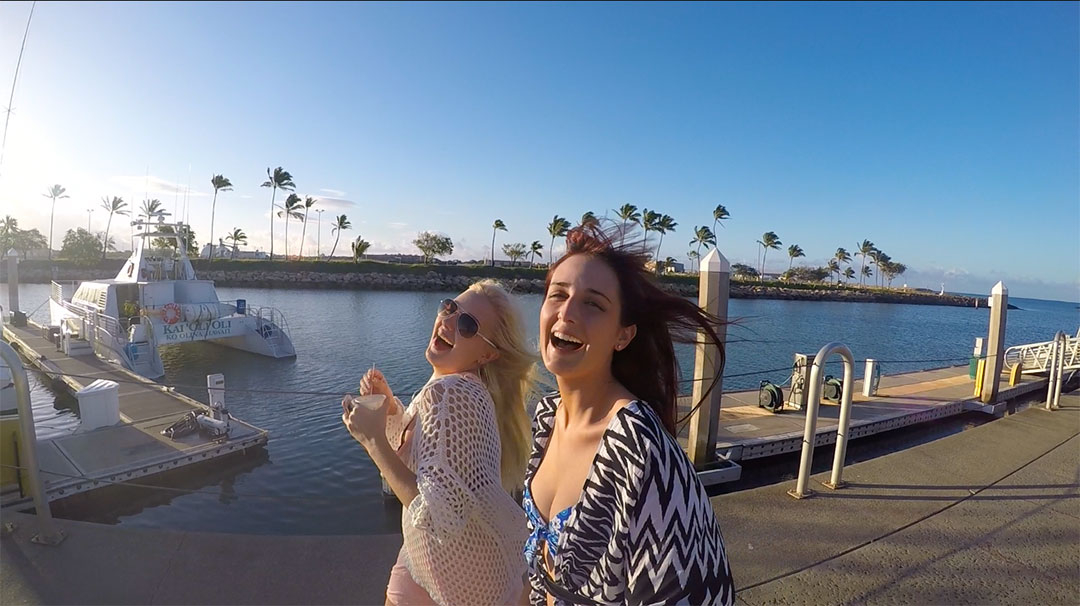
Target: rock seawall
x=436 y=281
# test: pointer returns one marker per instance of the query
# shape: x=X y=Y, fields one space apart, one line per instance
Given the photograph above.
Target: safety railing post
x=813 y=402
x=1052 y=366
x=1060 y=370
x=843 y=423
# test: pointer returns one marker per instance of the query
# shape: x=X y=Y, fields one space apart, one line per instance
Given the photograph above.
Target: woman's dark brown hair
x=647 y=366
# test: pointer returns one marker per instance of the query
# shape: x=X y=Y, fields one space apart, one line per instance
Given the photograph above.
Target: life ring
x=170 y=313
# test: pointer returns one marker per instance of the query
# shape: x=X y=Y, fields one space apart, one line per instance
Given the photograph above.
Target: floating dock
x=134 y=448
x=747 y=431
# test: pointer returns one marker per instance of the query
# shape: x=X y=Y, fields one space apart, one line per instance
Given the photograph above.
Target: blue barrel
x=241 y=306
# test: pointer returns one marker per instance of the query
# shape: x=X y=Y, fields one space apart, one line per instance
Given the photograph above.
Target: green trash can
x=973 y=366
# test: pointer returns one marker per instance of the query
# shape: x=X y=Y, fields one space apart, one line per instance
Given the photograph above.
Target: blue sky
x=945 y=133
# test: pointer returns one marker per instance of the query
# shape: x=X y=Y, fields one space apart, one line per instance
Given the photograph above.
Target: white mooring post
x=714 y=288
x=13 y=280
x=871 y=377
x=995 y=343
x=48 y=533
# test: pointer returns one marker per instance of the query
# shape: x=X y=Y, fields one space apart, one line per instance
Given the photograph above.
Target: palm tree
x=56 y=192
x=219 y=183
x=557 y=228
x=115 y=206
x=627 y=212
x=649 y=221
x=882 y=261
x=719 y=214
x=497 y=226
x=308 y=203
x=693 y=256
x=864 y=249
x=893 y=270
x=341 y=223
x=534 y=250
x=151 y=209
x=702 y=235
x=866 y=273
x=663 y=226
x=238 y=237
x=290 y=209
x=514 y=252
x=834 y=268
x=9 y=233
x=359 y=247
x=842 y=256
x=849 y=274
x=589 y=218
x=279 y=178
x=794 y=251
x=769 y=241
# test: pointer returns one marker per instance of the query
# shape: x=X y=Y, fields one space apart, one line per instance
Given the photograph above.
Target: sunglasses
x=467 y=326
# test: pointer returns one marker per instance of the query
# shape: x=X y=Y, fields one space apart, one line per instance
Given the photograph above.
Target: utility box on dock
x=99 y=404
x=800 y=381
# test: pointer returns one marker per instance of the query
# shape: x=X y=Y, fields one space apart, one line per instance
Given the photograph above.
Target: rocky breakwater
x=253 y=277
x=430 y=281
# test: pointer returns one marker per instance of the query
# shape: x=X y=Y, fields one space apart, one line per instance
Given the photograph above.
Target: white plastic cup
x=371 y=402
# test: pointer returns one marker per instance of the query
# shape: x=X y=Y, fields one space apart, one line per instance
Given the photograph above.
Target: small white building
x=223 y=251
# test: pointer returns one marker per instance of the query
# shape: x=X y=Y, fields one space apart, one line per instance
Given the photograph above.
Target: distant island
x=374 y=275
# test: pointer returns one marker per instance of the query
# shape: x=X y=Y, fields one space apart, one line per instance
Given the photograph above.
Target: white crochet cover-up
x=463 y=533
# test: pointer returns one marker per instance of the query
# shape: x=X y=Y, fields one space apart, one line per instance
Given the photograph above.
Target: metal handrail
x=1035 y=357
x=1057 y=370
x=48 y=533
x=843 y=424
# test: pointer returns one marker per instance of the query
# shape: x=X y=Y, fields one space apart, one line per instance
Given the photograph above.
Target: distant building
x=221 y=251
x=669 y=268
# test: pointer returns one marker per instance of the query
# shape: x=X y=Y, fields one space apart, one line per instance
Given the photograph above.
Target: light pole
x=89 y=213
x=318 y=253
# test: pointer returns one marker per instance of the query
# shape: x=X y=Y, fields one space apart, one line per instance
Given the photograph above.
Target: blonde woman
x=456 y=453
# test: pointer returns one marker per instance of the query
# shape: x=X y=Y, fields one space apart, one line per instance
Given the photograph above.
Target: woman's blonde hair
x=511 y=380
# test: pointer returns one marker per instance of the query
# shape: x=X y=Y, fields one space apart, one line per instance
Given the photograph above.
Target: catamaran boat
x=156 y=300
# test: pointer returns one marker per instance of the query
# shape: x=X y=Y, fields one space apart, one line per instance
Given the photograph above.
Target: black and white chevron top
x=644 y=531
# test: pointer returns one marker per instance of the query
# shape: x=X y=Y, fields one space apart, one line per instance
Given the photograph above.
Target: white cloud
x=330 y=203
x=334 y=193
x=397 y=225
x=154 y=186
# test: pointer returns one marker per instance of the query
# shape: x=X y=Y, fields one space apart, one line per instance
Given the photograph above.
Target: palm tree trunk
x=303 y=234
x=551 y=250
x=790 y=263
x=105 y=240
x=862 y=272
x=52 y=213
x=286 y=235
x=493 y=247
x=273 y=194
x=335 y=244
x=213 y=209
x=765 y=253
x=658 y=247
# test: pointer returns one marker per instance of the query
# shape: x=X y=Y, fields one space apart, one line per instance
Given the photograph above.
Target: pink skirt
x=403 y=590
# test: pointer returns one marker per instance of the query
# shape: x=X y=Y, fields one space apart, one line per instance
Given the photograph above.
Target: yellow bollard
x=979 y=377
x=1014 y=374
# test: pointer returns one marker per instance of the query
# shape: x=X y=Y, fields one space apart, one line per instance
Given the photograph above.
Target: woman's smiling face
x=581 y=319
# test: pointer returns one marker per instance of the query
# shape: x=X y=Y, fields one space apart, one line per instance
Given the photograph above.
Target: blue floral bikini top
x=548 y=532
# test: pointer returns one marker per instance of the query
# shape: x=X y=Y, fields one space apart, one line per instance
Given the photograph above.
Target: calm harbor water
x=314 y=479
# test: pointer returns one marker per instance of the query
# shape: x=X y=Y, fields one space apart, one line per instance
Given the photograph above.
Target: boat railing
x=63 y=290
x=270 y=314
